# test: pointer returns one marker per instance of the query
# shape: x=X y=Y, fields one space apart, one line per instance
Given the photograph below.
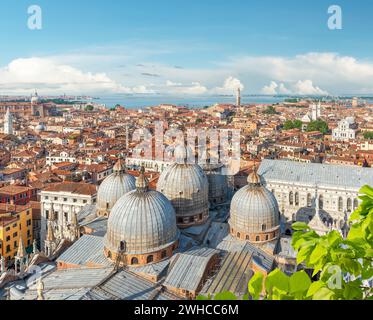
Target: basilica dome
x=142 y=224
x=113 y=187
x=186 y=186
x=35 y=98
x=218 y=184
x=40 y=127
x=254 y=213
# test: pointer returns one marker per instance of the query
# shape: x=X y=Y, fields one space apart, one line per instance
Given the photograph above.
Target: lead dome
x=186 y=186
x=142 y=226
x=113 y=187
x=254 y=213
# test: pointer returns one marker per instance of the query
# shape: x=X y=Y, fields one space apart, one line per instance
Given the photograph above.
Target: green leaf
x=225 y=296
x=300 y=226
x=323 y=294
x=277 y=279
x=201 y=297
x=299 y=282
x=314 y=287
x=317 y=254
x=352 y=291
x=256 y=285
x=367 y=190
x=334 y=238
x=305 y=252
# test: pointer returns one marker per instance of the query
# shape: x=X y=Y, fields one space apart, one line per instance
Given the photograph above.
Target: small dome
x=254 y=213
x=35 y=98
x=113 y=187
x=186 y=186
x=144 y=220
x=40 y=127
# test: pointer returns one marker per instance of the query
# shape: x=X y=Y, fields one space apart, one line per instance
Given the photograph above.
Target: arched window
x=291 y=198
x=134 y=260
x=267 y=237
x=340 y=204
x=257 y=238
x=149 y=259
x=309 y=200
x=247 y=237
x=321 y=202
x=349 y=205
x=297 y=199
x=164 y=254
x=238 y=235
x=356 y=203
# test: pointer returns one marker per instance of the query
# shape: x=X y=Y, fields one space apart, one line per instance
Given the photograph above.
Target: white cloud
x=230 y=86
x=271 y=89
x=195 y=88
x=81 y=73
x=304 y=87
x=21 y=74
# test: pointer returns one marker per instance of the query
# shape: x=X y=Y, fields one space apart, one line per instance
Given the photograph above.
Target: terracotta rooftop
x=72 y=187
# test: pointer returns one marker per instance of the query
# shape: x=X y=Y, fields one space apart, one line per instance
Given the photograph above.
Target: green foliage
x=318 y=125
x=199 y=120
x=330 y=258
x=89 y=108
x=270 y=110
x=289 y=124
x=368 y=135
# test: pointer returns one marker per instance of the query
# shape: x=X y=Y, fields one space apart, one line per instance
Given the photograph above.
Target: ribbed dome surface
x=186 y=186
x=218 y=184
x=113 y=187
x=145 y=220
x=254 y=208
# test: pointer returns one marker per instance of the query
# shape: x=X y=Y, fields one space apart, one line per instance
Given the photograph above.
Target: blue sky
x=187 y=47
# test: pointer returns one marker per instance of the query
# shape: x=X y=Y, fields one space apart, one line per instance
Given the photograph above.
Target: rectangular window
x=7 y=228
x=8 y=248
x=65 y=199
x=15 y=234
x=8 y=238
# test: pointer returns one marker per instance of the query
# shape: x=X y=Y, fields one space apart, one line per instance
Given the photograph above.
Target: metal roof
x=128 y=286
x=323 y=175
x=68 y=284
x=187 y=269
x=88 y=250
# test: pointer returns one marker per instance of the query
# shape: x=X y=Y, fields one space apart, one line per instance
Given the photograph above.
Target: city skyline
x=193 y=49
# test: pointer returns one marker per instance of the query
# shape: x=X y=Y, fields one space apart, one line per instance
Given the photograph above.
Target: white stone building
x=60 y=203
x=61 y=157
x=297 y=185
x=8 y=123
x=346 y=130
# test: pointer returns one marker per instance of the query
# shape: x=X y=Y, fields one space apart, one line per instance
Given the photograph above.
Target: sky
x=181 y=47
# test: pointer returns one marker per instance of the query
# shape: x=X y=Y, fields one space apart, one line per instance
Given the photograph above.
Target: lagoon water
x=138 y=101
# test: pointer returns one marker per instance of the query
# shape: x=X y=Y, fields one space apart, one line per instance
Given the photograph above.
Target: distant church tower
x=8 y=123
x=34 y=103
x=238 y=97
x=316 y=111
